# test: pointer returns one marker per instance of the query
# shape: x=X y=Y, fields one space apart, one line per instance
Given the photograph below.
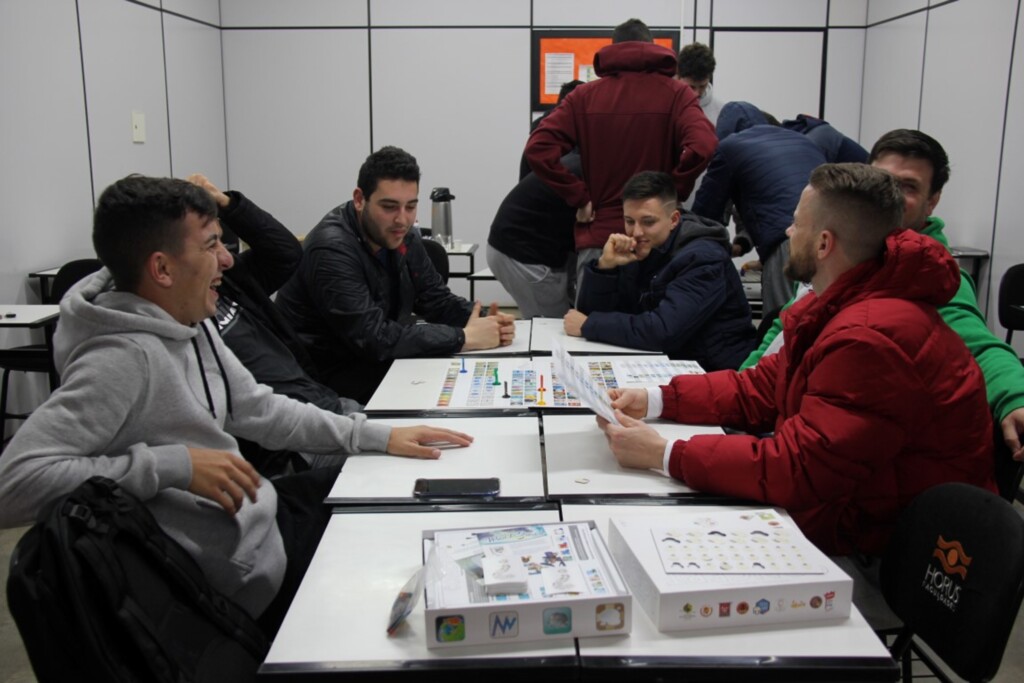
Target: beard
x=801 y=267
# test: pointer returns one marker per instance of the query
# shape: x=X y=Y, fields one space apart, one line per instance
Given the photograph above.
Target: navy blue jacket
x=685 y=299
x=762 y=169
x=837 y=147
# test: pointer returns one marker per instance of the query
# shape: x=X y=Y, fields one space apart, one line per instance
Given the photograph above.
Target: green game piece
x=496 y=382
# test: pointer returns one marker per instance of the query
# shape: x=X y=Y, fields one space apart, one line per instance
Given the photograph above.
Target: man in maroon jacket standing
x=636 y=117
x=872 y=400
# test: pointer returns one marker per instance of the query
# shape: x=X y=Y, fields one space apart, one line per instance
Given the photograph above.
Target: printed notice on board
x=559 y=67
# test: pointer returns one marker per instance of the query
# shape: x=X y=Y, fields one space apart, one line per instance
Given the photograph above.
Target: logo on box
x=557 y=620
x=611 y=616
x=450 y=629
x=504 y=624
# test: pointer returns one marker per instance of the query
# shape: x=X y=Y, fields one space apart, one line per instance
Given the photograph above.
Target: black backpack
x=100 y=592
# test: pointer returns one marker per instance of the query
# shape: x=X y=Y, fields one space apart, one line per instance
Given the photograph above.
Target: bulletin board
x=562 y=56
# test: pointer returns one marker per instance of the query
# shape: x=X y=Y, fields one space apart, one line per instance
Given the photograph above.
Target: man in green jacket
x=922 y=167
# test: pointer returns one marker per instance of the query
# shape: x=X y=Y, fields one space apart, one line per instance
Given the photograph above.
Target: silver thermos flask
x=441 y=216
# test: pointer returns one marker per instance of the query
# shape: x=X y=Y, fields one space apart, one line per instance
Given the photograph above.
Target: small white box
x=563 y=556
x=725 y=579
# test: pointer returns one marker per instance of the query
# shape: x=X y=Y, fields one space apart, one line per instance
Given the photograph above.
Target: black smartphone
x=457 y=488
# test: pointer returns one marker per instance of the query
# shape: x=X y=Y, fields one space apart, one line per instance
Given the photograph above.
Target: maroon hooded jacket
x=636 y=117
x=873 y=399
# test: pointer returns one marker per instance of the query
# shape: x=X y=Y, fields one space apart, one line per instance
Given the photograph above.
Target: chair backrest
x=954 y=574
x=1011 y=295
x=69 y=274
x=438 y=256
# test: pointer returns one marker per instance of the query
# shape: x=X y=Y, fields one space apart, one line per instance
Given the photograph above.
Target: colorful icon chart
x=748 y=542
x=448 y=387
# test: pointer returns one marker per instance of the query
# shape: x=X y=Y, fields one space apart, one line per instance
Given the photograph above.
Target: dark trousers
x=302 y=517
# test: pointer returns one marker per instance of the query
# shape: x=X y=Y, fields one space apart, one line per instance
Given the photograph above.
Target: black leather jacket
x=342 y=304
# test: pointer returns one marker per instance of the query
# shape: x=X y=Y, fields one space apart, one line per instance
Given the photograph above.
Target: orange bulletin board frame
x=562 y=56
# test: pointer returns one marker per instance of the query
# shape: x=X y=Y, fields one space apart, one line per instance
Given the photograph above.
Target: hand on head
x=421 y=441
x=199 y=180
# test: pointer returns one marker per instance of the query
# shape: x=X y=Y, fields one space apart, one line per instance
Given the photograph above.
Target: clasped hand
x=497 y=329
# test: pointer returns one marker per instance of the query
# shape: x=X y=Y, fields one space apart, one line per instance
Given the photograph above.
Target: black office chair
x=1011 y=300
x=37 y=357
x=1008 y=472
x=438 y=257
x=954 y=574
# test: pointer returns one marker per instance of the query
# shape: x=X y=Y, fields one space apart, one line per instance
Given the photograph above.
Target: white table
x=579 y=462
x=844 y=647
x=415 y=384
x=28 y=315
x=337 y=621
x=503 y=447
x=547 y=329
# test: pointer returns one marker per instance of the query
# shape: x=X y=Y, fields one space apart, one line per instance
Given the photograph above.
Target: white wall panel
x=893 y=58
x=661 y=13
x=237 y=13
x=203 y=10
x=297 y=105
x=703 y=12
x=844 y=79
x=704 y=36
x=1008 y=247
x=778 y=72
x=775 y=13
x=971 y=134
x=45 y=192
x=124 y=72
x=848 y=13
x=450 y=12
x=463 y=139
x=195 y=96
x=880 y=10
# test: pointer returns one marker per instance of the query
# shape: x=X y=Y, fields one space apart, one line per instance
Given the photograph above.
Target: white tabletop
x=339 y=616
x=546 y=329
x=579 y=462
x=459 y=248
x=503 y=447
x=417 y=383
x=485 y=274
x=842 y=638
x=27 y=315
x=520 y=346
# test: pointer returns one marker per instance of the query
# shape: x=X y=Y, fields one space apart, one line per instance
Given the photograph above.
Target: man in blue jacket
x=667 y=284
x=762 y=169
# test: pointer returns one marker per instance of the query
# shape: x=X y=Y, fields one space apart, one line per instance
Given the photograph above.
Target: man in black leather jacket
x=364 y=273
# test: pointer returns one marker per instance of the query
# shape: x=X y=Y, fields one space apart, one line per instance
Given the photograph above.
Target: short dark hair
x=917 y=145
x=696 y=61
x=863 y=205
x=567 y=88
x=632 y=30
x=648 y=184
x=137 y=216
x=387 y=163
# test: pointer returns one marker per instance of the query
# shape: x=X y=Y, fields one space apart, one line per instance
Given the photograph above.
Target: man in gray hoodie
x=153 y=399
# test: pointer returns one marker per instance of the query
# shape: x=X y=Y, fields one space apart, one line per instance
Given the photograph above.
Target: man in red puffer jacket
x=873 y=399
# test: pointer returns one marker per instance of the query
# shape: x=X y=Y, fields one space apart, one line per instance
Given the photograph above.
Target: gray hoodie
x=138 y=389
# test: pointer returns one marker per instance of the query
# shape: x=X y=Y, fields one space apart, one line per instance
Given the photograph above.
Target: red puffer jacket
x=634 y=118
x=873 y=399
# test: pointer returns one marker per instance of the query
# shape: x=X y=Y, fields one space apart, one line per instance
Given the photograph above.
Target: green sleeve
x=774 y=331
x=1004 y=374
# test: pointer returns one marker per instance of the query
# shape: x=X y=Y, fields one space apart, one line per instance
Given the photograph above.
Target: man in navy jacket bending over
x=667 y=284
